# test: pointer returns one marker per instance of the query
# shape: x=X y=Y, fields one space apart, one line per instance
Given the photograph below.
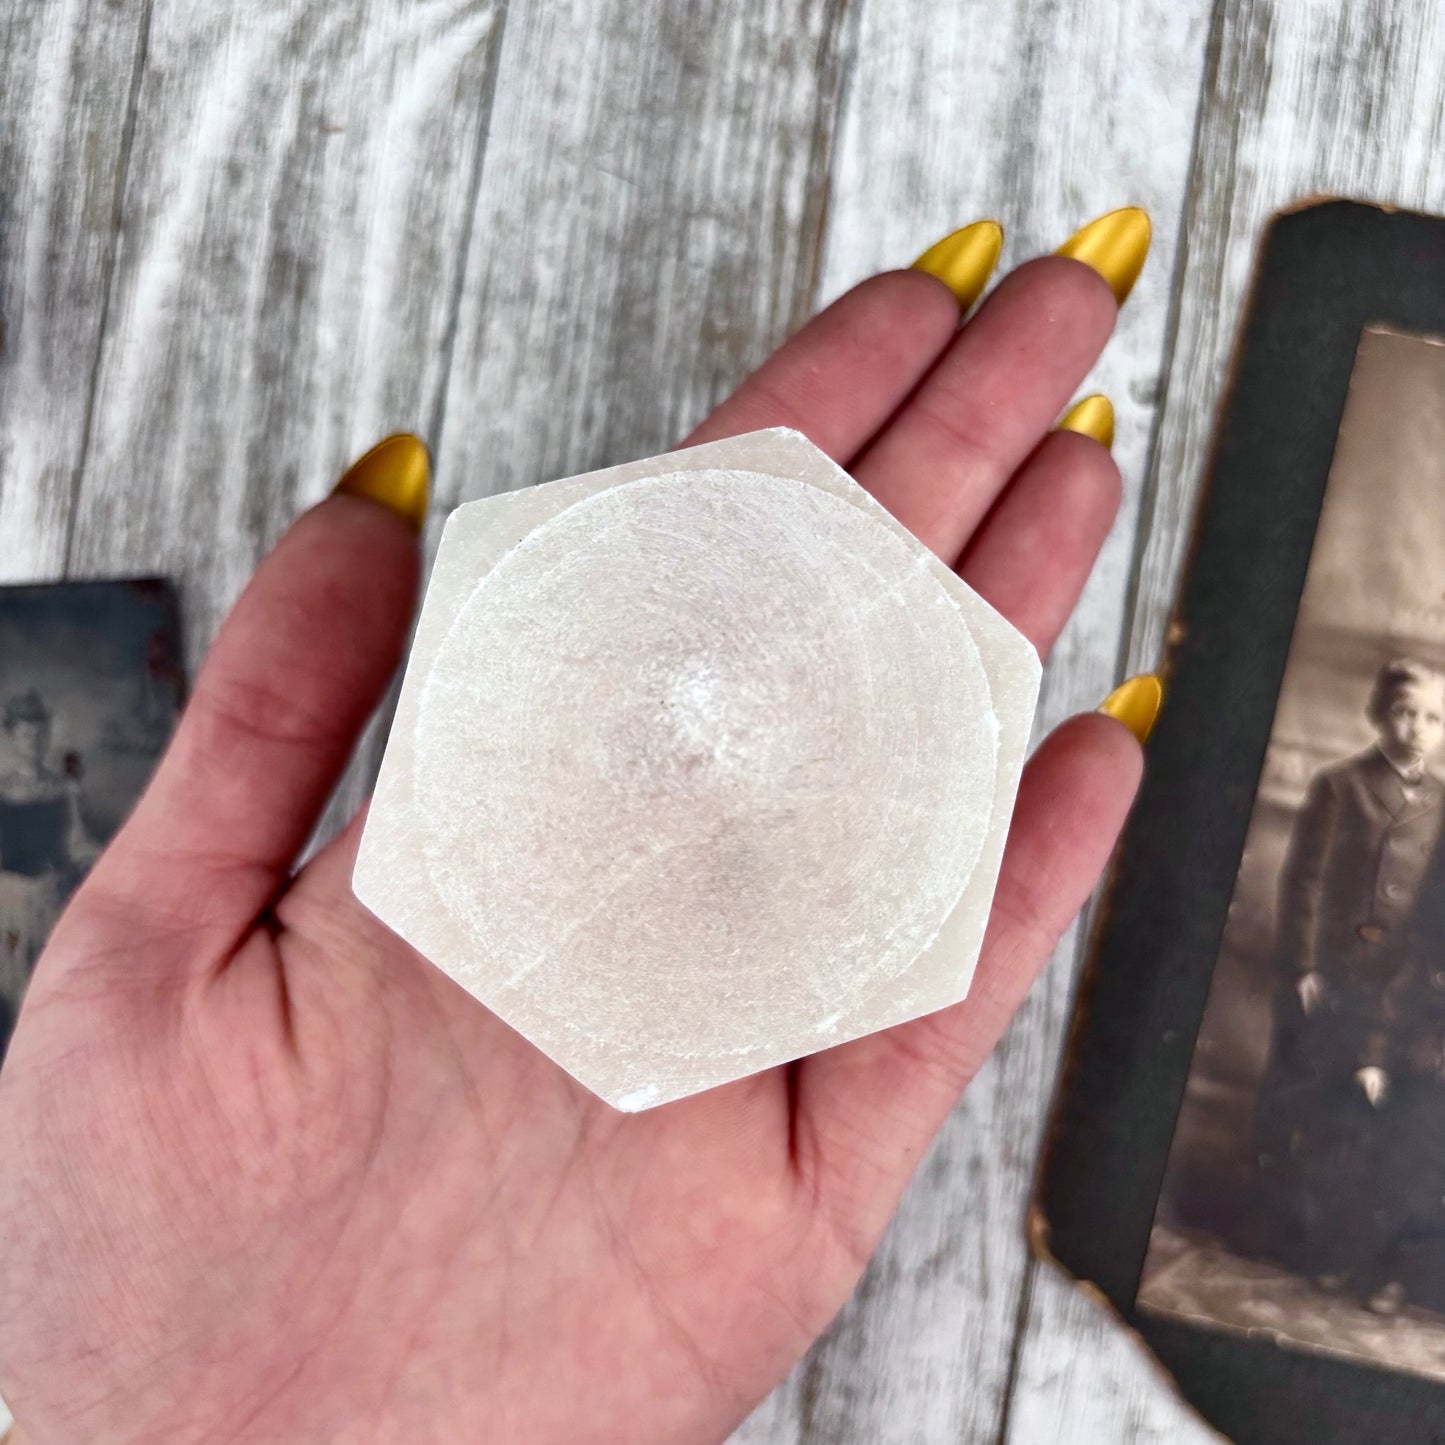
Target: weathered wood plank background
x=237 y=243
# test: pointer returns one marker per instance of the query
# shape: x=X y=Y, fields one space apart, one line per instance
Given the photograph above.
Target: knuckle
x=237 y=710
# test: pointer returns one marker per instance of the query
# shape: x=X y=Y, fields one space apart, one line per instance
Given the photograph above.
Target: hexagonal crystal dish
x=701 y=764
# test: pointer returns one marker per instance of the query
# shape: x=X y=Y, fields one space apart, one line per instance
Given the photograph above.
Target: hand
x=271 y=1176
x=1311 y=990
x=1375 y=1082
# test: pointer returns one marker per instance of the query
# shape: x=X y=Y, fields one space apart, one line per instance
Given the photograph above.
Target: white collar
x=1413 y=776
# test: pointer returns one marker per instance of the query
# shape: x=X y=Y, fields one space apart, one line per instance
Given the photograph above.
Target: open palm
x=270 y=1176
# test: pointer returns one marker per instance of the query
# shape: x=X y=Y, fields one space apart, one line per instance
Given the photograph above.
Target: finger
x=1032 y=554
x=298 y=666
x=838 y=380
x=941 y=462
x=866 y=1110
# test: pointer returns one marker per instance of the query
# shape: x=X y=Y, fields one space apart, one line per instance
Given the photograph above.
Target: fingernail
x=1136 y=704
x=1094 y=416
x=397 y=473
x=1115 y=246
x=964 y=260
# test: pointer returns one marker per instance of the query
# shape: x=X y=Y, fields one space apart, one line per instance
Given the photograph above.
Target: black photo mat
x=1327 y=273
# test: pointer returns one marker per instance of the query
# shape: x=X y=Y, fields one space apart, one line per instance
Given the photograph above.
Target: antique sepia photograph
x=1305 y=1190
x=89 y=692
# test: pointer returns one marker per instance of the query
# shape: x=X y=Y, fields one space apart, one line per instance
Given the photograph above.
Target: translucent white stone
x=701 y=764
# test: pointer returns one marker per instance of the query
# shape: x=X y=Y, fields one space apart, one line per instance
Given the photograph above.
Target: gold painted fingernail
x=964 y=260
x=1136 y=704
x=397 y=473
x=1115 y=246
x=1094 y=416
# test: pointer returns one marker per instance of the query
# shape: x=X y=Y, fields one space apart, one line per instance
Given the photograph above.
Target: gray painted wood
x=237 y=245
x=1084 y=1379
x=297 y=197
x=67 y=73
x=646 y=231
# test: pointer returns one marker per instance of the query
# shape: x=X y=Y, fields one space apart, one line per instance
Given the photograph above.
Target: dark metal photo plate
x=90 y=687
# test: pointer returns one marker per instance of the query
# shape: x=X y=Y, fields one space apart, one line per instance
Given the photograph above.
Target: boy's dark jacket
x=1360 y=851
x=1410 y=1036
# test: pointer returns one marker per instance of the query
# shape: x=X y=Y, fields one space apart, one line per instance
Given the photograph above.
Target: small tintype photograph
x=89 y=691
x=1305 y=1190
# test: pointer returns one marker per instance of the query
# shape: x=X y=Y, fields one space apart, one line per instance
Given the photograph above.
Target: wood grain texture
x=1089 y=1380
x=297 y=198
x=1042 y=115
x=1299 y=99
x=67 y=72
x=646 y=230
